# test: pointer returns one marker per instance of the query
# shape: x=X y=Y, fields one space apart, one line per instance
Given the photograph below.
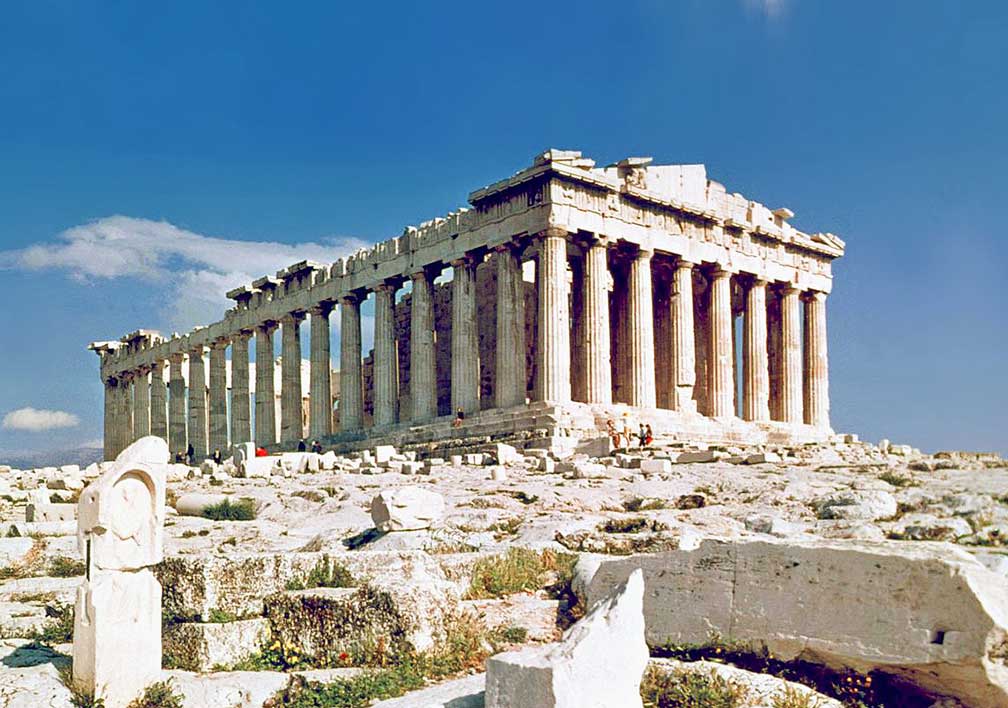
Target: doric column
x=721 y=368
x=553 y=346
x=386 y=369
x=351 y=404
x=816 y=386
x=241 y=431
x=682 y=335
x=177 y=437
x=423 y=363
x=265 y=393
x=126 y=402
x=218 y=439
x=791 y=369
x=197 y=403
x=320 y=392
x=158 y=402
x=509 y=388
x=595 y=318
x=291 y=425
x=465 y=371
x=141 y=404
x=110 y=422
x=755 y=364
x=640 y=320
x=775 y=353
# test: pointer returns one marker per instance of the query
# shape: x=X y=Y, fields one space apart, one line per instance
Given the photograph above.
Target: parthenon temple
x=568 y=295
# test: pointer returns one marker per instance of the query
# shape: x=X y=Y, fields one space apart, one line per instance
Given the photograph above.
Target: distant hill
x=82 y=456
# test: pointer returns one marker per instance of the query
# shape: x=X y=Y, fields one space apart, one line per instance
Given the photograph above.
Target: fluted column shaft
x=423 y=364
x=721 y=369
x=141 y=404
x=197 y=403
x=291 y=425
x=509 y=388
x=126 y=401
x=265 y=394
x=755 y=363
x=351 y=406
x=553 y=346
x=177 y=435
x=218 y=439
x=640 y=321
x=682 y=335
x=465 y=371
x=158 y=402
x=596 y=329
x=110 y=422
x=386 y=360
x=816 y=386
x=791 y=370
x=320 y=391
x=241 y=431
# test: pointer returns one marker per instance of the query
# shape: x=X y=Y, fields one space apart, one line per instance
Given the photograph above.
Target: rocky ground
x=354 y=567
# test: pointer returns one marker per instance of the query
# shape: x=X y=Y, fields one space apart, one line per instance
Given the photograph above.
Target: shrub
x=519 y=570
x=158 y=695
x=898 y=480
x=689 y=689
x=324 y=575
x=636 y=504
x=63 y=567
x=59 y=629
x=634 y=525
x=791 y=697
x=241 y=510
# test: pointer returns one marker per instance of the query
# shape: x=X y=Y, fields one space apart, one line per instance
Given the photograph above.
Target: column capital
x=390 y=285
x=198 y=349
x=176 y=358
x=470 y=258
x=814 y=295
x=267 y=327
x=291 y=318
x=322 y=309
x=245 y=334
x=758 y=281
x=551 y=232
x=352 y=298
x=719 y=271
x=644 y=253
x=220 y=343
x=685 y=263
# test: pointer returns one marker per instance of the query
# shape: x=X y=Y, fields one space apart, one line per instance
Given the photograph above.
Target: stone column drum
x=126 y=412
x=755 y=364
x=351 y=405
x=553 y=345
x=683 y=344
x=291 y=421
x=241 y=431
x=423 y=364
x=595 y=304
x=320 y=388
x=791 y=369
x=141 y=403
x=158 y=402
x=816 y=386
x=386 y=369
x=197 y=403
x=640 y=323
x=218 y=425
x=265 y=396
x=465 y=372
x=721 y=376
x=509 y=388
x=177 y=436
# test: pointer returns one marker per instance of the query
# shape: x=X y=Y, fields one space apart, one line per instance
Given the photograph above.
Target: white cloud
x=35 y=420
x=195 y=270
x=772 y=9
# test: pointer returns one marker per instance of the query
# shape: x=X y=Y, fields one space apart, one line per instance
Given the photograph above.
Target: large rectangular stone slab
x=198 y=646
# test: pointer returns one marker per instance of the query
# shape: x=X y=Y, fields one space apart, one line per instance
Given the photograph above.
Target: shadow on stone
x=362 y=539
x=34 y=654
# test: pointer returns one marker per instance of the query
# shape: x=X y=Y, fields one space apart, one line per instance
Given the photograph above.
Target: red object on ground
x=261 y=452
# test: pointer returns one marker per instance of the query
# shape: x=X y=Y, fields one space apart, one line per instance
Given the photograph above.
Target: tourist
x=261 y=452
x=316 y=447
x=190 y=455
x=642 y=437
x=614 y=435
x=217 y=456
x=459 y=417
x=648 y=435
x=302 y=445
x=627 y=430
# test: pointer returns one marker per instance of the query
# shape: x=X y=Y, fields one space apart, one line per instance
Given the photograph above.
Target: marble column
x=465 y=365
x=265 y=393
x=291 y=418
x=141 y=404
x=423 y=363
x=351 y=404
x=197 y=403
x=158 y=402
x=682 y=336
x=640 y=321
x=241 y=431
x=320 y=389
x=579 y=353
x=509 y=387
x=775 y=353
x=816 y=385
x=721 y=369
x=386 y=369
x=791 y=369
x=218 y=439
x=553 y=381
x=595 y=316
x=110 y=422
x=126 y=401
x=177 y=434
x=755 y=362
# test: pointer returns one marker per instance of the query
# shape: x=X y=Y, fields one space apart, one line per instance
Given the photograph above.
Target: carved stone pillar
x=351 y=405
x=320 y=413
x=158 y=402
x=553 y=346
x=595 y=318
x=755 y=364
x=386 y=359
x=721 y=376
x=177 y=434
x=791 y=370
x=423 y=363
x=110 y=422
x=465 y=371
x=241 y=431
x=509 y=388
x=640 y=321
x=126 y=417
x=775 y=353
x=265 y=394
x=291 y=425
x=682 y=335
x=816 y=386
x=197 y=403
x=141 y=404
x=218 y=397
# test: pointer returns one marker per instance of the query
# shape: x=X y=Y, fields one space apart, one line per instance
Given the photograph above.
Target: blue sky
x=276 y=130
